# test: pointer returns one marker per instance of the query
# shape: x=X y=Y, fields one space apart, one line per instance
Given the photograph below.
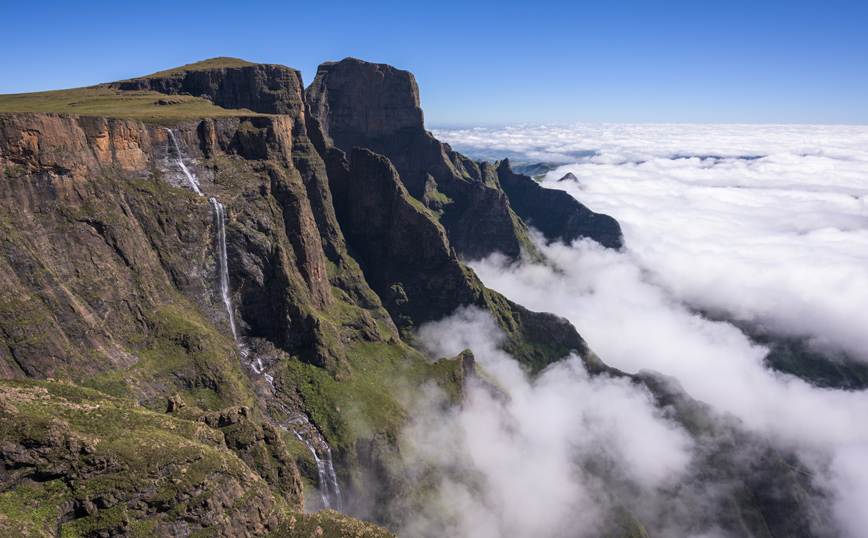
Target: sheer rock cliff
x=346 y=223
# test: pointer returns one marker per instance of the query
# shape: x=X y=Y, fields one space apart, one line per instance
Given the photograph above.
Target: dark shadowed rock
x=555 y=213
x=264 y=88
x=569 y=176
x=407 y=258
x=376 y=106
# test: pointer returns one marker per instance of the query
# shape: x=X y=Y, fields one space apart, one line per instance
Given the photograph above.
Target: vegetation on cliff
x=346 y=225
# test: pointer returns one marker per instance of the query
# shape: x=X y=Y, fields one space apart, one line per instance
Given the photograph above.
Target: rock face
x=265 y=88
x=344 y=226
x=555 y=213
x=406 y=256
x=374 y=106
x=358 y=102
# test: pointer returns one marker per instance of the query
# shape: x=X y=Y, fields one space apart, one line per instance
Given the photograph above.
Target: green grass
x=434 y=195
x=385 y=378
x=149 y=452
x=213 y=63
x=108 y=102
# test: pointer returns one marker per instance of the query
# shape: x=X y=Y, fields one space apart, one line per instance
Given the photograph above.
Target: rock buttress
x=263 y=88
x=559 y=216
x=376 y=106
x=407 y=258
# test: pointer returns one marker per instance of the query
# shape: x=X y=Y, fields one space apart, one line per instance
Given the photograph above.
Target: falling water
x=259 y=368
x=179 y=160
x=219 y=210
x=224 y=268
x=328 y=480
x=329 y=489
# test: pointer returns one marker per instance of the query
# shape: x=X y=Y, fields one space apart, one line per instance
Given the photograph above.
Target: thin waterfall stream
x=220 y=215
x=179 y=160
x=329 y=489
x=297 y=423
x=219 y=209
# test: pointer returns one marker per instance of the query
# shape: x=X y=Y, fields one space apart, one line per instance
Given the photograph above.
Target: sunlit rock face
x=288 y=292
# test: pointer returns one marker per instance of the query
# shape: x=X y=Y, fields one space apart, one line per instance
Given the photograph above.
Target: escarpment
x=265 y=88
x=110 y=279
x=345 y=224
x=375 y=106
x=555 y=213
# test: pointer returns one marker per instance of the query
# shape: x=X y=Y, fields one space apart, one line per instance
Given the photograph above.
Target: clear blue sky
x=487 y=62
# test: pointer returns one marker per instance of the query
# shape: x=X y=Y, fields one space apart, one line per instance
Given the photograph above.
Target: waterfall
x=219 y=211
x=259 y=368
x=308 y=434
x=179 y=160
x=329 y=489
x=224 y=268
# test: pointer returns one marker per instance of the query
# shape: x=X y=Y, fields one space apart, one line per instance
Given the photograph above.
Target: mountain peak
x=221 y=62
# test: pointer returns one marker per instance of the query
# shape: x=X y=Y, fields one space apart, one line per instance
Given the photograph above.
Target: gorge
x=175 y=364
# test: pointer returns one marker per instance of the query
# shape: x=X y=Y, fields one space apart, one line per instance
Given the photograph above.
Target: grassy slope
x=104 y=101
x=94 y=448
x=213 y=63
x=101 y=100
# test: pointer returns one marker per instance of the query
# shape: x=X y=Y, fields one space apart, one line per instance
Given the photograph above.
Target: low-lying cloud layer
x=531 y=441
x=766 y=224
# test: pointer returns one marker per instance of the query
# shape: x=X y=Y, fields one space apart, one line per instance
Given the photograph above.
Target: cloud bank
x=767 y=224
x=530 y=443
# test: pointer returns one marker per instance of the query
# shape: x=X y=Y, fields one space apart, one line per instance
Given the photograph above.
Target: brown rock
x=376 y=106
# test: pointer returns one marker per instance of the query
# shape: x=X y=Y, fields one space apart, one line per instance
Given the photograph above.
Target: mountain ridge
x=110 y=271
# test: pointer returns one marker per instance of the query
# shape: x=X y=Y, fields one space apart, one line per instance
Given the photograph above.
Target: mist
x=764 y=224
x=525 y=445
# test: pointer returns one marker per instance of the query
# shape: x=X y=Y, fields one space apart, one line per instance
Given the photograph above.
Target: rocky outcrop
x=264 y=88
x=376 y=106
x=84 y=464
x=327 y=524
x=559 y=216
x=407 y=258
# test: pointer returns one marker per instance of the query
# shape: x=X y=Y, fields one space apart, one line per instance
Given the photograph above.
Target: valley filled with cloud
x=726 y=228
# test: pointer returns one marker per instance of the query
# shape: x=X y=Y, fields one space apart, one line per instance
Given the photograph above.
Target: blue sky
x=488 y=62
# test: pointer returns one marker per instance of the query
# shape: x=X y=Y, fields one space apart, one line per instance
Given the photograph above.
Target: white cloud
x=531 y=446
x=763 y=223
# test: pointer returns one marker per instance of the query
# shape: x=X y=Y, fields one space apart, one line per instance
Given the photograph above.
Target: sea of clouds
x=765 y=224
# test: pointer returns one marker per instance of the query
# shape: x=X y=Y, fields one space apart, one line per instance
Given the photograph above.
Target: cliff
x=483 y=209
x=227 y=298
x=555 y=213
x=229 y=83
x=111 y=270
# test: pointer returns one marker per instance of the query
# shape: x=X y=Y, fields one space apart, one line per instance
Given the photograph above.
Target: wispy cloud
x=529 y=442
x=766 y=224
